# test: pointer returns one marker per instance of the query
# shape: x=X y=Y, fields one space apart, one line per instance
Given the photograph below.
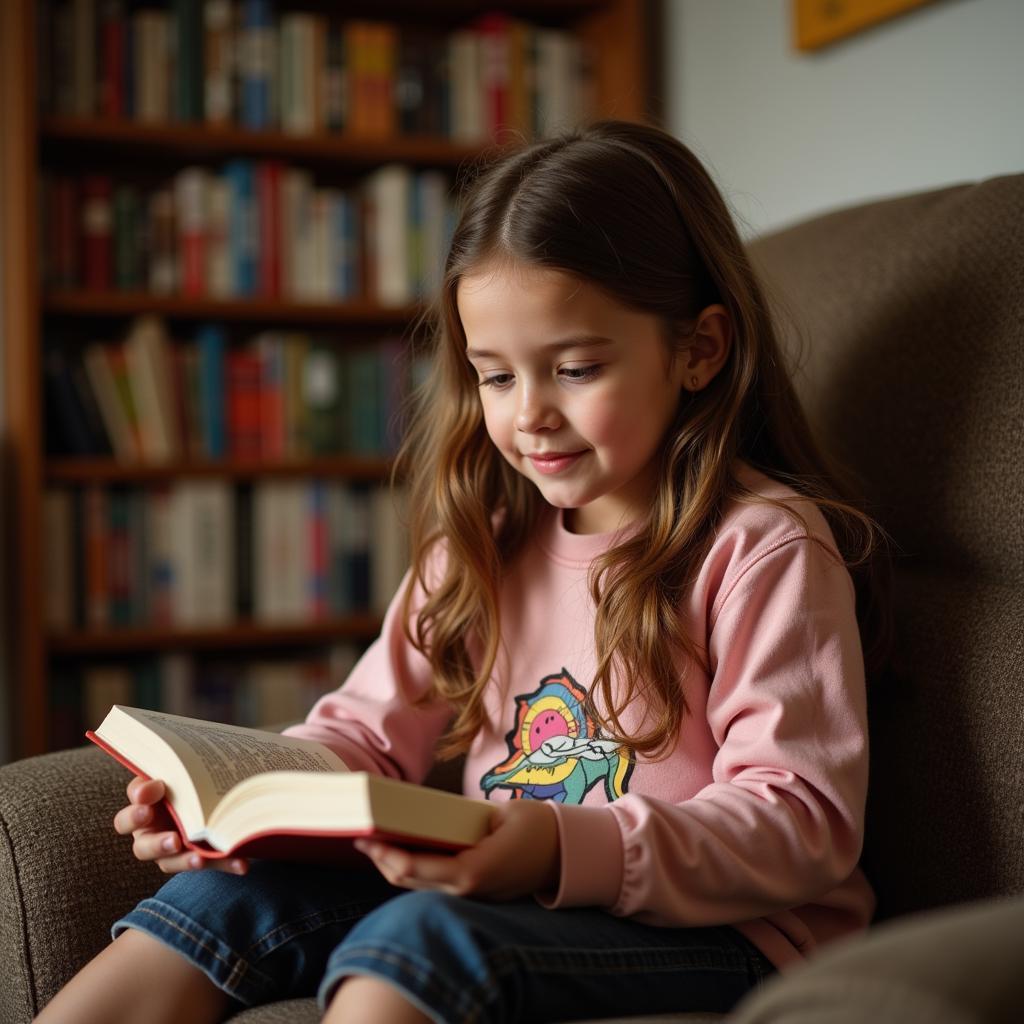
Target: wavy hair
x=628 y=208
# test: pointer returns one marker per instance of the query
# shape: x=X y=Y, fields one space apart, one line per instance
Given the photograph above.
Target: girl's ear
x=705 y=349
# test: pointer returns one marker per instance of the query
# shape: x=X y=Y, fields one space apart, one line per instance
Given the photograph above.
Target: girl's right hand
x=155 y=837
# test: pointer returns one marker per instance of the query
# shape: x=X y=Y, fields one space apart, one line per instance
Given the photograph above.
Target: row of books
x=279 y=395
x=206 y=553
x=255 y=692
x=224 y=62
x=255 y=228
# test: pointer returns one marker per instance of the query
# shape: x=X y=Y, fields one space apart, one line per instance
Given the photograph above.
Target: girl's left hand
x=518 y=857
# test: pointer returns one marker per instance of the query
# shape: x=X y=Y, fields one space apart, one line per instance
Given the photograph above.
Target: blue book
x=258 y=45
x=243 y=226
x=211 y=389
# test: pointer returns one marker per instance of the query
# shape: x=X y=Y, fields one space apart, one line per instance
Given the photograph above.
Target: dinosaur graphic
x=555 y=752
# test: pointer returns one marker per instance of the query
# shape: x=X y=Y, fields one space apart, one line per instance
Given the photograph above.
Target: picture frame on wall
x=819 y=23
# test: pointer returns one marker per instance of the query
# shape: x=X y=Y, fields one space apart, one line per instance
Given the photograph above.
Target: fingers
x=418 y=871
x=154 y=837
x=145 y=791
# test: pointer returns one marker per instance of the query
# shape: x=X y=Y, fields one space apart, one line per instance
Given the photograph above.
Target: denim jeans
x=285 y=931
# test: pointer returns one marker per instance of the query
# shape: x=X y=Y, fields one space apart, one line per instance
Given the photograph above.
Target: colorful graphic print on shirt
x=555 y=750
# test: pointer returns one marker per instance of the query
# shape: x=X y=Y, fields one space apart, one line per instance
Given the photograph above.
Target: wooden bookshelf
x=619 y=34
x=242 y=635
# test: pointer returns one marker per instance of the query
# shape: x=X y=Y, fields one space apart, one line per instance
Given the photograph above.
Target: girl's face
x=577 y=390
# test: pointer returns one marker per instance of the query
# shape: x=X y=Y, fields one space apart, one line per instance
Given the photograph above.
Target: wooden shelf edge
x=206 y=140
x=81 y=470
x=83 y=302
x=240 y=635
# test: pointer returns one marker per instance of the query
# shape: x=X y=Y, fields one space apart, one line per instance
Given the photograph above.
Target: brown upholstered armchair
x=912 y=314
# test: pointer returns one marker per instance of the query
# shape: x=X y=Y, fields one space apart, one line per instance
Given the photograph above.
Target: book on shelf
x=277 y=395
x=234 y=791
x=258 y=691
x=203 y=552
x=250 y=64
x=253 y=228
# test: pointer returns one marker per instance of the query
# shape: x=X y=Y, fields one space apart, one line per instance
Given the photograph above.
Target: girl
x=630 y=607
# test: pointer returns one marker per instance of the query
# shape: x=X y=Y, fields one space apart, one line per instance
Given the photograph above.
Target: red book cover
x=97 y=232
x=494 y=69
x=190 y=189
x=366 y=804
x=64 y=221
x=112 y=69
x=243 y=420
x=268 y=190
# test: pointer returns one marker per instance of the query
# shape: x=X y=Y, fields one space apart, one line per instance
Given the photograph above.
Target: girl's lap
x=289 y=930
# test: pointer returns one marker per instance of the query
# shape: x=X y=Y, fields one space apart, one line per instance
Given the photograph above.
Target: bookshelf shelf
x=207 y=142
x=39 y=327
x=84 y=303
x=348 y=467
x=240 y=636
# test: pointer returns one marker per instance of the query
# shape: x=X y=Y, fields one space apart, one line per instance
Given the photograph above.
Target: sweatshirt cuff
x=591 y=858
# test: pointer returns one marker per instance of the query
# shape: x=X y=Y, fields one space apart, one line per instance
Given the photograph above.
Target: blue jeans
x=284 y=931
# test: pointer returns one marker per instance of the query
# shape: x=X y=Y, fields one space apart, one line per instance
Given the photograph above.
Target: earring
x=693 y=383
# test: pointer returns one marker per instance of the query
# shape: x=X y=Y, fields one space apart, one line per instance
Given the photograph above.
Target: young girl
x=630 y=607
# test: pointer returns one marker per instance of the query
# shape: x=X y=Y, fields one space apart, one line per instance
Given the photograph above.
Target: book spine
x=97 y=599
x=97 y=232
x=257 y=59
x=243 y=373
x=211 y=345
x=190 y=192
x=268 y=179
x=111 y=74
x=218 y=62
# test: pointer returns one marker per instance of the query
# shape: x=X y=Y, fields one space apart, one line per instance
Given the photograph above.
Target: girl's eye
x=499 y=380
x=577 y=373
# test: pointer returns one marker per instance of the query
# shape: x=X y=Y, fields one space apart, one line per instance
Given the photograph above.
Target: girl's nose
x=536 y=412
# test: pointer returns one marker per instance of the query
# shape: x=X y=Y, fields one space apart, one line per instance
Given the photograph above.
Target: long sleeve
x=780 y=824
x=371 y=721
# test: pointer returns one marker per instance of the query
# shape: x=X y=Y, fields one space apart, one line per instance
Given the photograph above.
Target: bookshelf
x=36 y=141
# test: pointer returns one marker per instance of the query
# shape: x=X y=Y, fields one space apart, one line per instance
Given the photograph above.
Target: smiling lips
x=554 y=462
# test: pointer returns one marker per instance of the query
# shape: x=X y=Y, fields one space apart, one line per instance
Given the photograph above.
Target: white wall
x=924 y=100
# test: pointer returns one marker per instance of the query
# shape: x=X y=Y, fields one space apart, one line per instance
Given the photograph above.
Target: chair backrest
x=910 y=312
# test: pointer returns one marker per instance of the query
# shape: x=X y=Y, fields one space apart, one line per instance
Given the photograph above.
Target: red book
x=112 y=67
x=64 y=221
x=190 y=196
x=243 y=420
x=97 y=232
x=271 y=811
x=268 y=191
x=494 y=34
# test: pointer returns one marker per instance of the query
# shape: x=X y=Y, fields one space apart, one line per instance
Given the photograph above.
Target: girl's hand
x=155 y=836
x=520 y=856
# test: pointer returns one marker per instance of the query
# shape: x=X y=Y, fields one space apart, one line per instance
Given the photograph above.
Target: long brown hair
x=628 y=208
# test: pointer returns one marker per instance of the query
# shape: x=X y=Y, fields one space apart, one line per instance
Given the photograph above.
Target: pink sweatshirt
x=755 y=819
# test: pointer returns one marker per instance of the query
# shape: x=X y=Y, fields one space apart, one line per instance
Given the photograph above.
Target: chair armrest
x=65 y=875
x=953 y=965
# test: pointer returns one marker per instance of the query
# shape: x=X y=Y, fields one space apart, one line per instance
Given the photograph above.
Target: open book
x=245 y=792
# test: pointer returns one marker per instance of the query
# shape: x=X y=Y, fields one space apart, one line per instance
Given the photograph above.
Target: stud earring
x=693 y=383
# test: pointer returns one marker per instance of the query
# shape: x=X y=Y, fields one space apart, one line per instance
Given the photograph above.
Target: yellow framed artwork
x=817 y=23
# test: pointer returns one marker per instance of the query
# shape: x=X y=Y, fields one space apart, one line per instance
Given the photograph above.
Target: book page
x=219 y=756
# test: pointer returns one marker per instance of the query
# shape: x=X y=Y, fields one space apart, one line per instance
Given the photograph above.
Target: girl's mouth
x=556 y=462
